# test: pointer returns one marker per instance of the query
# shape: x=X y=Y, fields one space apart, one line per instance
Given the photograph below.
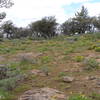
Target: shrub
x=79 y=97
x=3 y=72
x=69 y=50
x=10 y=83
x=46 y=70
x=27 y=60
x=79 y=58
x=91 y=63
x=9 y=77
x=62 y=74
x=95 y=96
x=97 y=49
x=92 y=47
x=4 y=95
x=46 y=59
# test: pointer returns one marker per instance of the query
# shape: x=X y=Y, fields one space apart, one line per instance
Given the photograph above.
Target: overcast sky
x=25 y=11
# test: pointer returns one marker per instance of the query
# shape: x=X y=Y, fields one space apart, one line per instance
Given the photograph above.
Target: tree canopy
x=46 y=27
x=6 y=3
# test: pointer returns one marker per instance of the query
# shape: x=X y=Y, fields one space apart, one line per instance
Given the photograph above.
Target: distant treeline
x=48 y=27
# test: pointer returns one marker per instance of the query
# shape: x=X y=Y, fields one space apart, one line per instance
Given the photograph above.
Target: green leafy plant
x=97 y=49
x=79 y=58
x=46 y=70
x=95 y=96
x=62 y=74
x=27 y=60
x=79 y=97
x=46 y=59
x=91 y=63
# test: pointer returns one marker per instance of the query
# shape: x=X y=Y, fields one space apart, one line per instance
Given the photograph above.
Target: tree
x=2 y=15
x=6 y=3
x=96 y=22
x=21 y=32
x=46 y=27
x=68 y=27
x=9 y=29
x=82 y=20
x=80 y=24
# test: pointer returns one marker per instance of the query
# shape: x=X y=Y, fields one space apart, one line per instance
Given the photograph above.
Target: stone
x=91 y=78
x=98 y=83
x=43 y=94
x=73 y=70
x=38 y=72
x=29 y=55
x=68 y=79
x=2 y=58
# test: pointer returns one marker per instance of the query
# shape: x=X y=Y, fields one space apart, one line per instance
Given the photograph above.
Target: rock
x=2 y=58
x=43 y=94
x=38 y=72
x=91 y=78
x=94 y=78
x=73 y=70
x=98 y=83
x=29 y=55
x=68 y=79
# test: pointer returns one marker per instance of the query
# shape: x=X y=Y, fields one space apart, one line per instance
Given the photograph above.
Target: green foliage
x=46 y=70
x=43 y=49
x=79 y=97
x=79 y=58
x=91 y=63
x=92 y=47
x=96 y=22
x=79 y=24
x=22 y=88
x=95 y=96
x=97 y=49
x=11 y=77
x=46 y=27
x=46 y=59
x=4 y=95
x=62 y=74
x=69 y=50
x=27 y=60
x=8 y=84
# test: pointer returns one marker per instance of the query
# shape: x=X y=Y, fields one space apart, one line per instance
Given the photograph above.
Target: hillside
x=68 y=64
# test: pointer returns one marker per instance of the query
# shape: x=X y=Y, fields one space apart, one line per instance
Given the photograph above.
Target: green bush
x=62 y=74
x=46 y=70
x=95 y=96
x=79 y=97
x=91 y=63
x=79 y=58
x=92 y=47
x=10 y=83
x=5 y=95
x=97 y=49
x=27 y=60
x=9 y=77
x=46 y=59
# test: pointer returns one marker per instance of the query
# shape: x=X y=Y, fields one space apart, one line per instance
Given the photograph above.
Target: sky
x=23 y=12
